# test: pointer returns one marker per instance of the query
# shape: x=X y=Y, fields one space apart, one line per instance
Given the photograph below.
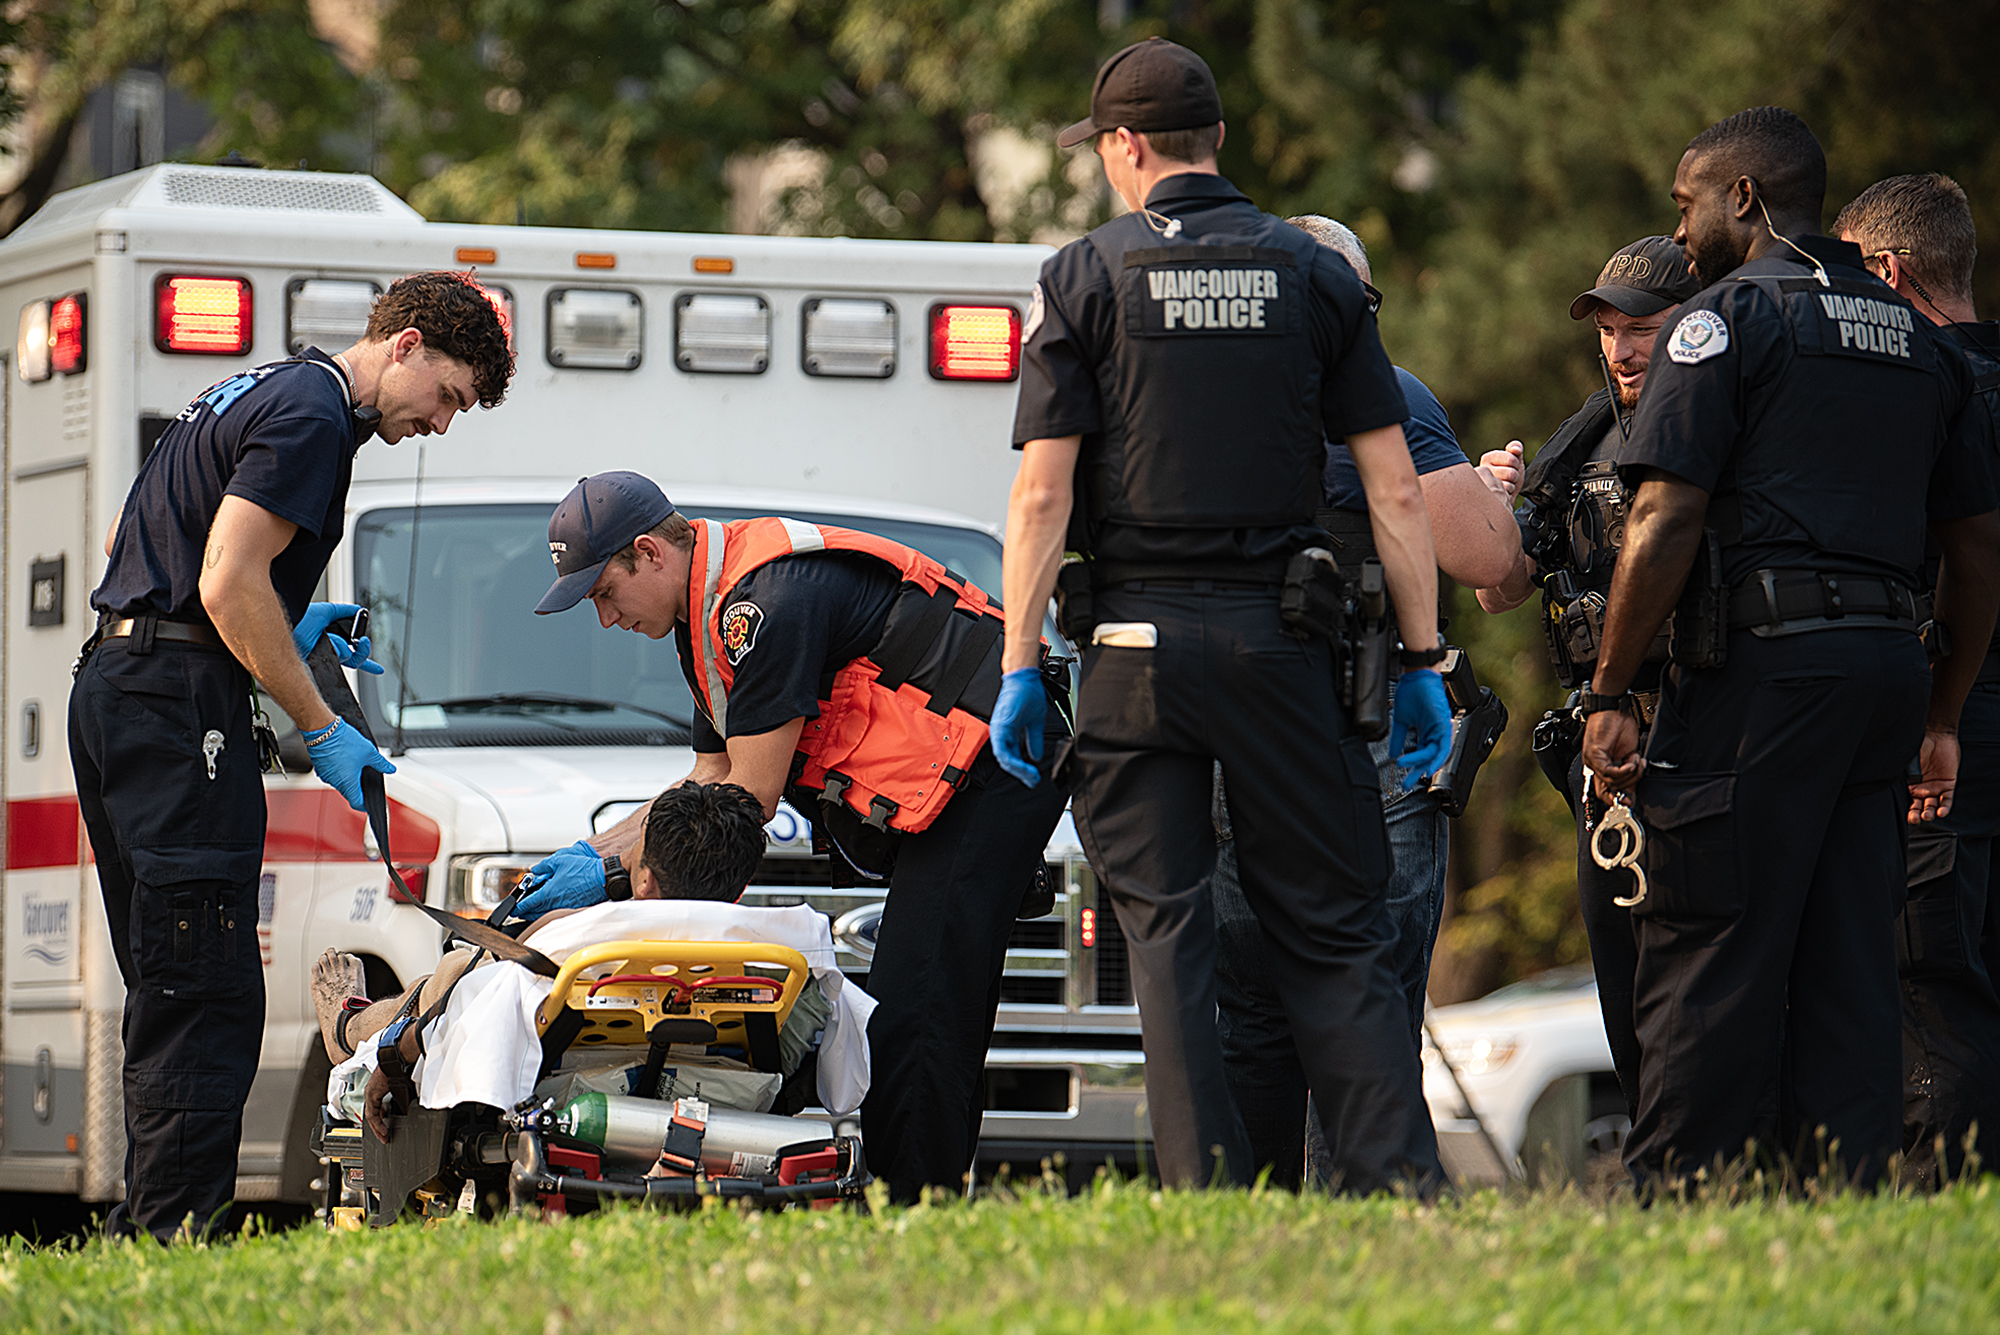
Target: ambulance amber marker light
x=209 y=315
x=477 y=255
x=591 y=259
x=975 y=342
x=66 y=335
x=713 y=264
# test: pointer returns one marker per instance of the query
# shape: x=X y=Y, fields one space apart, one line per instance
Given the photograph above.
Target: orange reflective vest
x=897 y=732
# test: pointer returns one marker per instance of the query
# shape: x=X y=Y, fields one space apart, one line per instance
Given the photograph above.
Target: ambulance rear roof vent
x=175 y=186
x=273 y=190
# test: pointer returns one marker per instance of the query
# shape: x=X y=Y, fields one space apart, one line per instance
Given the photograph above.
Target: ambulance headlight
x=479 y=881
x=723 y=333
x=327 y=313
x=31 y=343
x=846 y=337
x=594 y=328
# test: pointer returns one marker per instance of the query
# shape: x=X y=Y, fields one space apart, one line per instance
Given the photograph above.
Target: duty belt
x=1784 y=602
x=186 y=632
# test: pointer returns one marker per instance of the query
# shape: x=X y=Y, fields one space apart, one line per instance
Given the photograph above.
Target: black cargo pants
x=1226 y=682
x=178 y=854
x=936 y=972
x=1773 y=807
x=1946 y=942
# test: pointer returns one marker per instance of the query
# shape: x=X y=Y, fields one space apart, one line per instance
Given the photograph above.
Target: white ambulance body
x=862 y=383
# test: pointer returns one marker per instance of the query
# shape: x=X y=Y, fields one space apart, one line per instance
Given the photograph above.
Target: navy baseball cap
x=1642 y=279
x=1151 y=85
x=598 y=519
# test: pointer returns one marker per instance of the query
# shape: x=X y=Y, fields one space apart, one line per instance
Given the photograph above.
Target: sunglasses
x=1374 y=298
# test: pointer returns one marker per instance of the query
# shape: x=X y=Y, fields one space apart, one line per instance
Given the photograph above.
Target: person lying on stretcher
x=700 y=842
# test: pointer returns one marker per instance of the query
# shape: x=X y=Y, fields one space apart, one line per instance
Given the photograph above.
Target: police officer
x=213 y=561
x=1916 y=234
x=1799 y=426
x=1477 y=543
x=1183 y=367
x=853 y=676
x=1572 y=519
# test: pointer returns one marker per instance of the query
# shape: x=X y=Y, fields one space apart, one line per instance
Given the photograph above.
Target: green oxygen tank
x=632 y=1131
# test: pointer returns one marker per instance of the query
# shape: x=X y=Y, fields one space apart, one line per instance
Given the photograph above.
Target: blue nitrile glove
x=339 y=754
x=313 y=624
x=1018 y=716
x=354 y=655
x=572 y=878
x=1423 y=710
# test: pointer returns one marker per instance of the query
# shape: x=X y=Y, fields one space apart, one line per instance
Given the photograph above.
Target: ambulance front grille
x=1039 y=951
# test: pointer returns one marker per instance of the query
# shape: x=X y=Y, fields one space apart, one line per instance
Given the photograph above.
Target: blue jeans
x=1264 y=1073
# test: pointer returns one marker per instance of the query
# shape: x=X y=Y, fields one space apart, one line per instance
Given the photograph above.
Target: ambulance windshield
x=480 y=669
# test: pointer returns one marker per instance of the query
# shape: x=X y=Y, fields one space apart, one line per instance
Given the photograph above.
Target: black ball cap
x=599 y=518
x=1150 y=85
x=1642 y=279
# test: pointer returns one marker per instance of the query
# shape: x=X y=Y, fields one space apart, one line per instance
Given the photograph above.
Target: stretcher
x=682 y=1000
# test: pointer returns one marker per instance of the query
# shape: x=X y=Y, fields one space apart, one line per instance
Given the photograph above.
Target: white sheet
x=484 y=1048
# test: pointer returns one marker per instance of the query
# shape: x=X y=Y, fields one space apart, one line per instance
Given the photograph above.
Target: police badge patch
x=740 y=622
x=1699 y=336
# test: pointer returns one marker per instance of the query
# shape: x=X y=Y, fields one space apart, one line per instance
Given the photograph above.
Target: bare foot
x=335 y=978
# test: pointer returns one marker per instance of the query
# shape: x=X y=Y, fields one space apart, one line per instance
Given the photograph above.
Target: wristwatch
x=617 y=880
x=1422 y=658
x=1590 y=702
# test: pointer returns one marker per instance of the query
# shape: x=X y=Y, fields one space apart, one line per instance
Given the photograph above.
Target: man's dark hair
x=1774 y=148
x=1926 y=220
x=1197 y=144
x=704 y=840
x=674 y=530
x=457 y=319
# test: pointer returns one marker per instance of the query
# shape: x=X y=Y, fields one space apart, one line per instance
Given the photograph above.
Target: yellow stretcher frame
x=621 y=1011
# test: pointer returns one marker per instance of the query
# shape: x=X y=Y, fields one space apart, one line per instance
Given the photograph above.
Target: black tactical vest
x=1212 y=387
x=1839 y=448
x=1981 y=345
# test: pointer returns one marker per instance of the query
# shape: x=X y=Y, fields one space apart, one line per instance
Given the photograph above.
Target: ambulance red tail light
x=202 y=314
x=66 y=345
x=975 y=342
x=503 y=306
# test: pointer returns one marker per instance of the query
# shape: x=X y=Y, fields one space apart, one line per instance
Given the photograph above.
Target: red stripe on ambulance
x=306 y=825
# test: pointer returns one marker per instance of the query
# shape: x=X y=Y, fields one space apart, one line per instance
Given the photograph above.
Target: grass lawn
x=1117 y=1259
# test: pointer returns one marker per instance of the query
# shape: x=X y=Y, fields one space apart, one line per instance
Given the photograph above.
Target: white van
x=861 y=383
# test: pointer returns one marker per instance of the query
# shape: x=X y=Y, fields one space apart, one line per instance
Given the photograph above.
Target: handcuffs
x=1618 y=819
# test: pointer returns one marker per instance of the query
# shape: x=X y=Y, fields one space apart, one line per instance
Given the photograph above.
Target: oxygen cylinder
x=632 y=1131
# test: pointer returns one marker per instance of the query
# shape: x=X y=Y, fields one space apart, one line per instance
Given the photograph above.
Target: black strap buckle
x=880 y=812
x=836 y=786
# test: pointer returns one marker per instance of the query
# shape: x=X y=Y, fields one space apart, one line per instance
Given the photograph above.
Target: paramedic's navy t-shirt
x=1428 y=431
x=280 y=436
x=806 y=617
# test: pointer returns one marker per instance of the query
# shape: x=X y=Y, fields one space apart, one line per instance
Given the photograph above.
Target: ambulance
x=861 y=383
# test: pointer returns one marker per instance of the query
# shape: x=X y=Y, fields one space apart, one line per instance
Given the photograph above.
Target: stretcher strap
x=339 y=696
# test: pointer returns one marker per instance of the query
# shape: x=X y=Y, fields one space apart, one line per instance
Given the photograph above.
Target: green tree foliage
x=270 y=81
